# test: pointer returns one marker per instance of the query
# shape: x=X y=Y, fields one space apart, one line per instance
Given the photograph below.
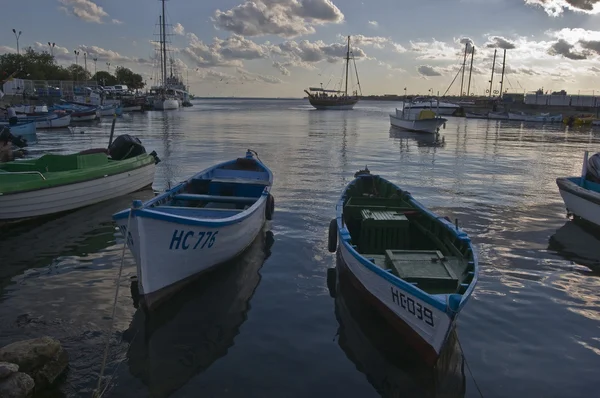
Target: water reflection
x=392 y=367
x=422 y=139
x=197 y=326
x=577 y=242
x=81 y=233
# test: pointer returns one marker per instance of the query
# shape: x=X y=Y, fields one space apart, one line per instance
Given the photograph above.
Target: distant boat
x=582 y=194
x=204 y=221
x=341 y=100
x=416 y=268
x=419 y=120
x=51 y=120
x=542 y=117
x=164 y=95
x=22 y=128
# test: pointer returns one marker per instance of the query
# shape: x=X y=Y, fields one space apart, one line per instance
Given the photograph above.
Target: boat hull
x=20 y=129
x=166 y=104
x=580 y=202
x=422 y=126
x=395 y=305
x=169 y=254
x=333 y=105
x=50 y=122
x=446 y=111
x=62 y=198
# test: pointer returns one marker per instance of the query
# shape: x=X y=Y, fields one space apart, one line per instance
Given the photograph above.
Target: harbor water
x=267 y=325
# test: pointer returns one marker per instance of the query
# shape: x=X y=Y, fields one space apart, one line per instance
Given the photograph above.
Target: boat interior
x=404 y=240
x=221 y=192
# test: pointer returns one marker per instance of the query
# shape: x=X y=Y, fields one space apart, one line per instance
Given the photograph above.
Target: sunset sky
x=277 y=48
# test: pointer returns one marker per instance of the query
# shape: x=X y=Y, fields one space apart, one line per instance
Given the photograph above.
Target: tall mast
x=463 y=69
x=493 y=66
x=471 y=70
x=503 y=65
x=164 y=48
x=347 y=64
x=160 y=51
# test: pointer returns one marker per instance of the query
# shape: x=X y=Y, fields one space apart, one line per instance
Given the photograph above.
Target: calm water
x=266 y=326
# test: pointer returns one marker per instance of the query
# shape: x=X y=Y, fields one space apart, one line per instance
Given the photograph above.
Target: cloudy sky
x=277 y=48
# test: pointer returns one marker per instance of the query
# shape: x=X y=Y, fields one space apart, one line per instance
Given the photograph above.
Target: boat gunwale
x=5 y=194
x=569 y=184
x=432 y=299
x=147 y=210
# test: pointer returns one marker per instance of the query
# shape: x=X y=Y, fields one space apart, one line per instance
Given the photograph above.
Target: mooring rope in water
x=114 y=309
x=469 y=369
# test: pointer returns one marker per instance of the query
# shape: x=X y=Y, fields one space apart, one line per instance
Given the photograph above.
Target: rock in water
x=17 y=385
x=6 y=369
x=43 y=359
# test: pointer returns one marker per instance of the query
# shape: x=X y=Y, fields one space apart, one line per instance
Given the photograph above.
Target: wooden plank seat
x=430 y=269
x=197 y=212
x=215 y=198
x=239 y=180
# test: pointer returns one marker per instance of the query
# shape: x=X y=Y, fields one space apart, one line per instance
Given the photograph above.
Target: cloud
x=374 y=24
x=246 y=76
x=428 y=71
x=7 y=50
x=565 y=49
x=109 y=55
x=286 y=18
x=86 y=10
x=307 y=52
x=281 y=67
x=117 y=22
x=178 y=29
x=375 y=41
x=60 y=53
x=434 y=50
x=500 y=42
x=228 y=52
x=555 y=8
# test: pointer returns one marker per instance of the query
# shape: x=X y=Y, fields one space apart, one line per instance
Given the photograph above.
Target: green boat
x=56 y=183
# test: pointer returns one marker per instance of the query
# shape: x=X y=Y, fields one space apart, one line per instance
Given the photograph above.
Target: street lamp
x=85 y=62
x=76 y=52
x=108 y=66
x=51 y=45
x=17 y=36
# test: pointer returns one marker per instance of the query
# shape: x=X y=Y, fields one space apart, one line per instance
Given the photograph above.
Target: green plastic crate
x=381 y=230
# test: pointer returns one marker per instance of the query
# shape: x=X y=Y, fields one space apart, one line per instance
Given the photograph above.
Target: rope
x=469 y=368
x=114 y=309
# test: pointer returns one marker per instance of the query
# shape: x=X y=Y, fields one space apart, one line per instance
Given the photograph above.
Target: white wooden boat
x=542 y=118
x=110 y=110
x=498 y=115
x=201 y=223
x=165 y=104
x=582 y=194
x=133 y=108
x=50 y=121
x=23 y=128
x=57 y=183
x=415 y=268
x=422 y=121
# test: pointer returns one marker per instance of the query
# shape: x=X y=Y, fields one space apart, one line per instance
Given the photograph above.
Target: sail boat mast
x=160 y=51
x=502 y=78
x=164 y=46
x=347 y=64
x=470 y=70
x=493 y=67
x=462 y=79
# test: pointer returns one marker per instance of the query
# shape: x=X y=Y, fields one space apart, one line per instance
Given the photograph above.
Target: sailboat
x=320 y=99
x=164 y=99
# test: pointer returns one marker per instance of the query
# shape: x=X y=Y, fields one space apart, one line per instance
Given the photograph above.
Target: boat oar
x=112 y=130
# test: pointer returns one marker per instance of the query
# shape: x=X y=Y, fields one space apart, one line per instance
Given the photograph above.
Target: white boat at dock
x=51 y=121
x=542 y=117
x=420 y=120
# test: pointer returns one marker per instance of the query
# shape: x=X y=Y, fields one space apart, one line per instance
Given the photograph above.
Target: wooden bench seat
x=215 y=198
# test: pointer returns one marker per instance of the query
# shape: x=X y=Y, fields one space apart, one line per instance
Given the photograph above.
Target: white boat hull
x=135 y=108
x=24 y=129
x=422 y=126
x=168 y=253
x=446 y=111
x=86 y=118
x=579 y=201
x=166 y=104
x=72 y=196
x=52 y=122
x=431 y=325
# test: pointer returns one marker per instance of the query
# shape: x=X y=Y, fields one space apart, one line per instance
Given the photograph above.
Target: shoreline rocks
x=30 y=364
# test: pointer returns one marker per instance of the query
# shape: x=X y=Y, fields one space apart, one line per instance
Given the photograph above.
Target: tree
x=104 y=78
x=78 y=73
x=126 y=76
